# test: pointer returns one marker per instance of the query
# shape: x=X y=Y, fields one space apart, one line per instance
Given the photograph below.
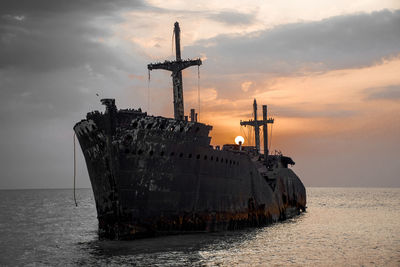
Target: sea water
x=342 y=227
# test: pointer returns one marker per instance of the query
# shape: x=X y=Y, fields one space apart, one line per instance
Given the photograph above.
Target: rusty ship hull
x=155 y=175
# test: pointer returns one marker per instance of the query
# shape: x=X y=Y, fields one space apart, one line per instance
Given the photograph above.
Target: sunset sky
x=329 y=72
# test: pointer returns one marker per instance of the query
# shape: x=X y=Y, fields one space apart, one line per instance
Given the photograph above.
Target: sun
x=239 y=139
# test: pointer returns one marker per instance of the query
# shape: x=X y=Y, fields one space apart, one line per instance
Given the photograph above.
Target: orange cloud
x=246 y=85
x=313 y=104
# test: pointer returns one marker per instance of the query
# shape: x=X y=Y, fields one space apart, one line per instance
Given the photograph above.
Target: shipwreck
x=153 y=175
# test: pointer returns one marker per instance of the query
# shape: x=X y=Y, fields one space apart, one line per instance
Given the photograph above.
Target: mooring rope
x=76 y=203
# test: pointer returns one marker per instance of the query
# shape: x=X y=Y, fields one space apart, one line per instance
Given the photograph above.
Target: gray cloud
x=385 y=93
x=233 y=18
x=338 y=42
x=51 y=7
x=52 y=62
x=47 y=35
x=52 y=58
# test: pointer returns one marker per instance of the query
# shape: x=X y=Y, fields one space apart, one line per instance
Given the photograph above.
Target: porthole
x=198 y=156
x=140 y=152
x=172 y=154
x=162 y=153
x=181 y=155
x=205 y=157
x=190 y=156
x=212 y=158
x=216 y=159
x=151 y=153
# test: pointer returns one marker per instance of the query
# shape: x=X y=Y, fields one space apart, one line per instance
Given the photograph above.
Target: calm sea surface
x=342 y=227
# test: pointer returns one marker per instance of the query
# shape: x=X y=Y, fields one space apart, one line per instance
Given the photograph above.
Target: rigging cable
x=244 y=133
x=270 y=138
x=250 y=135
x=172 y=46
x=76 y=203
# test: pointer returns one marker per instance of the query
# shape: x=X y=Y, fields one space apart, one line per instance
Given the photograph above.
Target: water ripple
x=343 y=226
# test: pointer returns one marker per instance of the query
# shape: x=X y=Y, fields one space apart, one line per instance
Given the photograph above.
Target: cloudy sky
x=328 y=70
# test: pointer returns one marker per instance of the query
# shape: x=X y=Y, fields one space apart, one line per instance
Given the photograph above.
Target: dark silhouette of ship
x=155 y=175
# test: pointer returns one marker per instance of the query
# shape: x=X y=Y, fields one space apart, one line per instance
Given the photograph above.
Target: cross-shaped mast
x=256 y=124
x=176 y=68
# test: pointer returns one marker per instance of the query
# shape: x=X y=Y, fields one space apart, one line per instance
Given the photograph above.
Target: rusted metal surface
x=154 y=175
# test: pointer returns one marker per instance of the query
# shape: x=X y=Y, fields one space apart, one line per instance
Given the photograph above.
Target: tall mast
x=176 y=68
x=177 y=33
x=256 y=124
x=265 y=131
